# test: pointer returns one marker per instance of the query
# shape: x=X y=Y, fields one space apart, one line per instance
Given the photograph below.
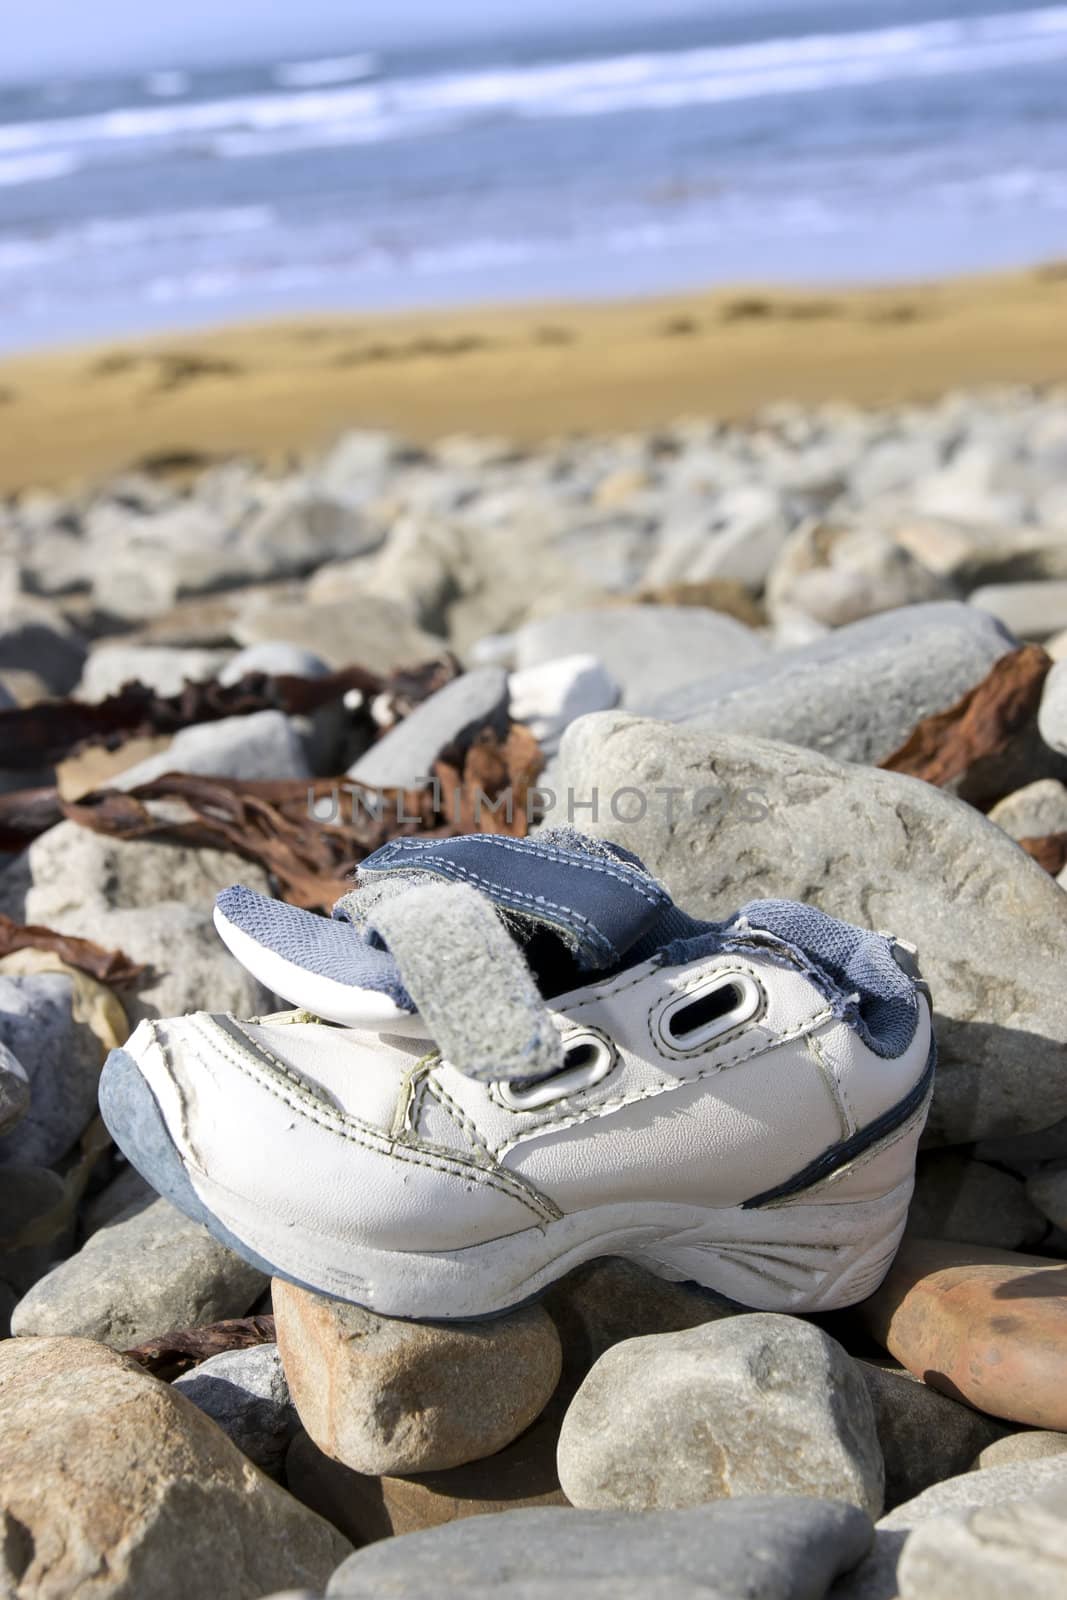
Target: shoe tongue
x=594 y=899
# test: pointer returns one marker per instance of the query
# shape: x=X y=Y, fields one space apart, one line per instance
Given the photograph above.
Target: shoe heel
x=827 y=1247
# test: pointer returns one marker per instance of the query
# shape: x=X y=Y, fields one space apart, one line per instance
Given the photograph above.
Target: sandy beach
x=527 y=372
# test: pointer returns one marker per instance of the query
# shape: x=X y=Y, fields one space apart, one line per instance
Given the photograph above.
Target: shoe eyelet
x=588 y=1056
x=692 y=1020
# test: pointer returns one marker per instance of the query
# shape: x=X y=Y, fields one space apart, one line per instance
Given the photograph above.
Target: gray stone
x=1034 y=811
x=754 y=1404
x=1009 y=1552
x=973 y=554
x=36 y=637
x=758 y=1548
x=1048 y=1191
x=839 y=574
x=602 y=1302
x=924 y=1435
x=1057 y=645
x=127 y=1192
x=359 y=459
x=150 y=1271
x=548 y=1589
x=142 y=564
x=972 y=1202
x=154 y=901
x=264 y=744
x=405 y=755
x=303 y=527
x=112 y=1486
x=245 y=1392
x=649 y=650
x=360 y=630
x=727 y=819
x=1052 y=713
x=992 y=1486
x=29 y=1197
x=415 y=569
x=876 y=1577
x=504 y=567
x=855 y=694
x=61 y=1059
x=14 y=1089
x=275 y=658
x=972 y=486
x=189 y=969
x=548 y=698
x=1030 y=610
x=293 y=1594
x=1032 y=1445
x=110 y=666
x=1026 y=1152
x=738 y=537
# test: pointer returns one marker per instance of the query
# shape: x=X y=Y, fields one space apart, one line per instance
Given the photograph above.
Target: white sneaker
x=735 y=1103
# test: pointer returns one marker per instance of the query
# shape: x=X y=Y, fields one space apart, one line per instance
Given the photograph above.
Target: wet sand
x=529 y=372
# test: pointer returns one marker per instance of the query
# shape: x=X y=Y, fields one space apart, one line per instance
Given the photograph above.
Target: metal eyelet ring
x=692 y=1020
x=591 y=1056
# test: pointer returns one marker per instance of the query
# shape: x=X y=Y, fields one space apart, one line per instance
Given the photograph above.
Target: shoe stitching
x=459 y=1116
x=835 y=1084
x=720 y=1039
x=303 y=1100
x=520 y=899
x=865 y=1159
x=574 y=1118
x=655 y=896
x=610 y=986
x=415 y=1106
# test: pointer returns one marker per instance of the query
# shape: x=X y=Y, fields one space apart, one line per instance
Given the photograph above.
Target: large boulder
x=725 y=819
x=114 y=1487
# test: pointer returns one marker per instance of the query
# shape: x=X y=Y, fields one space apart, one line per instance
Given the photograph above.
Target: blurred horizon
x=118 y=36
x=802 y=141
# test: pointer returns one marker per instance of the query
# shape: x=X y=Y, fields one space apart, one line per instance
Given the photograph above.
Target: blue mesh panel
x=322 y=945
x=853 y=967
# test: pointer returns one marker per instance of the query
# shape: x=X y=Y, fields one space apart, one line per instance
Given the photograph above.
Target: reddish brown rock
x=366 y=1508
x=982 y=1325
x=393 y=1397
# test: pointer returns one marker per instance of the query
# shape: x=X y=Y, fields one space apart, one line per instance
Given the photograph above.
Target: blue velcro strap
x=598 y=903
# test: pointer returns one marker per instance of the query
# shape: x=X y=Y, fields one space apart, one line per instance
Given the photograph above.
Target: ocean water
x=794 y=141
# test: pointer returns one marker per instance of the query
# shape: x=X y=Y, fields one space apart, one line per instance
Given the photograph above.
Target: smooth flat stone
x=766 y=1547
x=856 y=693
x=982 y=1325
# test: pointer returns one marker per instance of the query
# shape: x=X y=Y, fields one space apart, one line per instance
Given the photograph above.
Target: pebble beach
x=770 y=588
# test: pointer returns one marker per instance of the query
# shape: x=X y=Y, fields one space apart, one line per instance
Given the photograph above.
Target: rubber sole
x=817 y=1251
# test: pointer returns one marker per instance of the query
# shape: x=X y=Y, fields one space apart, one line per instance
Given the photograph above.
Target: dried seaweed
x=308 y=834
x=40 y=735
x=1049 y=850
x=174 y=1353
x=107 y=966
x=982 y=726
